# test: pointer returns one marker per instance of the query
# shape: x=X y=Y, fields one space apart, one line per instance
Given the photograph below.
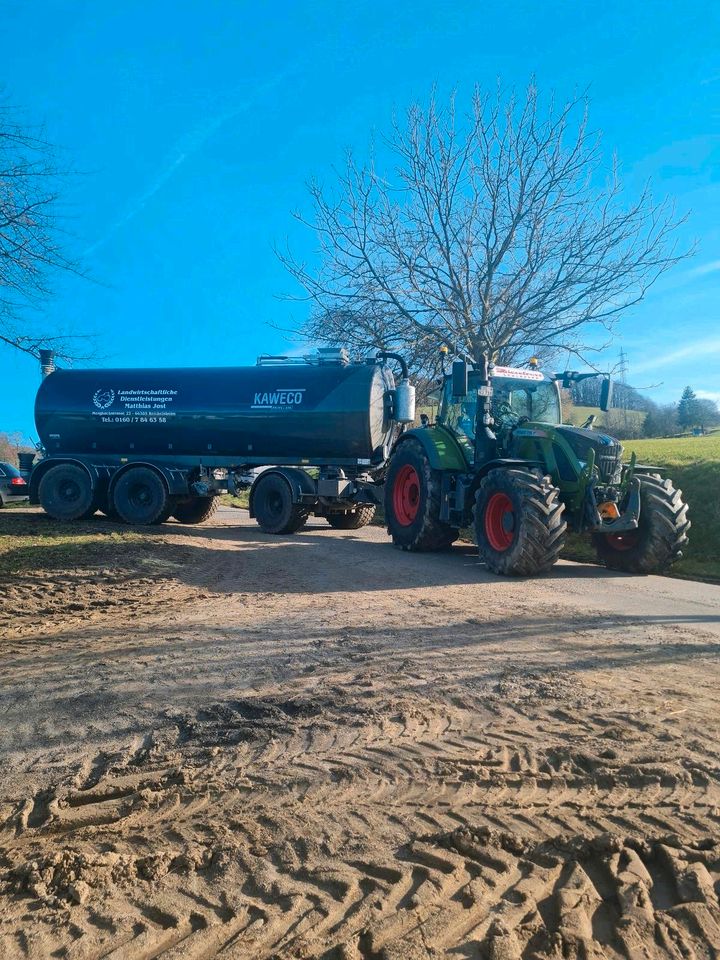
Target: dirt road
x=320 y=747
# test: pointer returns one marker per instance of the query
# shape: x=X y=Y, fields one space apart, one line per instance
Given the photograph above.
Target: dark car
x=13 y=486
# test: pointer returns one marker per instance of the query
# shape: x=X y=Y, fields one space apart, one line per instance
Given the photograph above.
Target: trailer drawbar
x=143 y=445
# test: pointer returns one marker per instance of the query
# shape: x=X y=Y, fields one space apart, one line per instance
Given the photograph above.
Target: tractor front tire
x=412 y=502
x=519 y=526
x=274 y=508
x=353 y=519
x=661 y=534
x=195 y=510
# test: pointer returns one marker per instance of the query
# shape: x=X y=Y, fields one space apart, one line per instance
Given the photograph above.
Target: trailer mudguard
x=441 y=446
x=301 y=484
x=176 y=479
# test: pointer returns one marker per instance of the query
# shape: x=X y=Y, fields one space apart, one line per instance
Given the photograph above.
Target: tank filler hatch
x=323 y=357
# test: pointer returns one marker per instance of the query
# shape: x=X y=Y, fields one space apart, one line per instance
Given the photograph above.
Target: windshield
x=538 y=401
x=512 y=400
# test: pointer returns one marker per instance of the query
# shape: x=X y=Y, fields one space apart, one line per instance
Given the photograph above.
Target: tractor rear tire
x=412 y=502
x=139 y=496
x=66 y=493
x=273 y=506
x=661 y=534
x=519 y=526
x=196 y=510
x=353 y=519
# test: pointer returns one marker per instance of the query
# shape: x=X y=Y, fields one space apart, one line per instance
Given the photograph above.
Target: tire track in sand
x=326 y=827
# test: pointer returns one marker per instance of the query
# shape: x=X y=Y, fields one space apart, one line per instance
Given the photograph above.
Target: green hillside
x=578 y=415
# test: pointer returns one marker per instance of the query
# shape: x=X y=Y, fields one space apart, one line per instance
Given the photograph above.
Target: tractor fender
x=499 y=463
x=506 y=463
x=301 y=484
x=442 y=449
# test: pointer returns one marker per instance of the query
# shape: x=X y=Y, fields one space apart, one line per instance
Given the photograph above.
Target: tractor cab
x=518 y=396
x=499 y=459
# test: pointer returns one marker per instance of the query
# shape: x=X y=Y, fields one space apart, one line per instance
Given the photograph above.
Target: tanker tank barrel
x=282 y=410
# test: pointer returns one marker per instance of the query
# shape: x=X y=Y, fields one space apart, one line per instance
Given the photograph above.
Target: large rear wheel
x=412 y=501
x=273 y=505
x=66 y=493
x=660 y=536
x=140 y=496
x=519 y=527
x=353 y=519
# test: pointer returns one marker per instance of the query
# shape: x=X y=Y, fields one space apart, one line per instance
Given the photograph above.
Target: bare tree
x=32 y=239
x=496 y=234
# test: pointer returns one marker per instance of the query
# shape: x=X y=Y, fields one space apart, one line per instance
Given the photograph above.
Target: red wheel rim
x=406 y=495
x=499 y=521
x=623 y=541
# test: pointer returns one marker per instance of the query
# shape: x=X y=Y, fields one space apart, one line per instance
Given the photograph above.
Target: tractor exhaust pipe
x=47 y=362
x=485 y=439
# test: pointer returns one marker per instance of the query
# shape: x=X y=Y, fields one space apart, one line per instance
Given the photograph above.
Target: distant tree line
x=661 y=419
x=11 y=444
x=586 y=393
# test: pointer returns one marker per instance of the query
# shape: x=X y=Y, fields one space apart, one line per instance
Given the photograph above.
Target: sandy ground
x=320 y=747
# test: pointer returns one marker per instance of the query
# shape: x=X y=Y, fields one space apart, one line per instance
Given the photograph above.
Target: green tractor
x=500 y=460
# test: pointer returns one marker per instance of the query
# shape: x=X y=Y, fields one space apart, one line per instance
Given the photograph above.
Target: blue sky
x=195 y=126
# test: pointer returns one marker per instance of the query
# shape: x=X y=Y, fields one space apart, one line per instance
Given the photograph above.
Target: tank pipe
x=385 y=355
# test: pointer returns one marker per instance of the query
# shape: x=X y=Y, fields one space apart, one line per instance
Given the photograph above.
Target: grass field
x=34 y=541
x=578 y=415
x=693 y=463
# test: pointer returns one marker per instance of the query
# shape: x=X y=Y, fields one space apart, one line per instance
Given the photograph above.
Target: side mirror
x=459 y=378
x=606 y=393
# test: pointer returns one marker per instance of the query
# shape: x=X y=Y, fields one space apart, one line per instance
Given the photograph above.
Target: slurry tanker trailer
x=149 y=444
x=145 y=445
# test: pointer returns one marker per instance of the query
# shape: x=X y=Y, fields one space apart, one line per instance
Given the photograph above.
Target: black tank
x=275 y=411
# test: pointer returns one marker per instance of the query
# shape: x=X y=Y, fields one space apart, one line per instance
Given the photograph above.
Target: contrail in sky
x=701 y=348
x=188 y=146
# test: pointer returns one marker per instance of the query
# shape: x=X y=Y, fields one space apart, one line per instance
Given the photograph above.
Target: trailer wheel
x=412 y=502
x=168 y=512
x=196 y=510
x=66 y=493
x=660 y=536
x=353 y=519
x=273 y=506
x=140 y=496
x=519 y=527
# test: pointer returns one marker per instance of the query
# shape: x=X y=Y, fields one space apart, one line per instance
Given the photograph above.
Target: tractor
x=498 y=459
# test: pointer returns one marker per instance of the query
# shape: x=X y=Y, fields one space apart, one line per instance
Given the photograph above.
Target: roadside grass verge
x=240 y=502
x=31 y=541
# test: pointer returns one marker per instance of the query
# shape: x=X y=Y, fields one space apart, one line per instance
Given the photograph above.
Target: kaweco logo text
x=277 y=399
